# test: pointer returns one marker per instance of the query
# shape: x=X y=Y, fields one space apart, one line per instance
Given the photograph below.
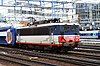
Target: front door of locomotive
x=54 y=33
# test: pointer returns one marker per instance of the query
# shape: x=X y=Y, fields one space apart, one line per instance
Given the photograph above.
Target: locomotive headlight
x=76 y=37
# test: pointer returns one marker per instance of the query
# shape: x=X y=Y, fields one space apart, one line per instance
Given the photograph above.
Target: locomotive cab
x=69 y=36
x=66 y=36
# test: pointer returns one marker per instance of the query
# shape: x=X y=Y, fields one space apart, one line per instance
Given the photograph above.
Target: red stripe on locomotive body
x=69 y=38
x=38 y=44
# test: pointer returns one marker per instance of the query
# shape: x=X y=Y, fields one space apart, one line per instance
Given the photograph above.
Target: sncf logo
x=9 y=36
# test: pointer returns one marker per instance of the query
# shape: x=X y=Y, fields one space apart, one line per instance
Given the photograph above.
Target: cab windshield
x=70 y=29
x=65 y=30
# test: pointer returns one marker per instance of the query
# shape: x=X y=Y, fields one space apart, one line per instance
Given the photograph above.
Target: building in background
x=17 y=10
x=72 y=10
x=89 y=14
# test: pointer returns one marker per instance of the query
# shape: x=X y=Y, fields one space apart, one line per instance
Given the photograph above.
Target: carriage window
x=91 y=34
x=52 y=29
x=34 y=31
x=70 y=27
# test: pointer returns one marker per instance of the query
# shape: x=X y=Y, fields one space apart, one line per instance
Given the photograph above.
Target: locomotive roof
x=47 y=24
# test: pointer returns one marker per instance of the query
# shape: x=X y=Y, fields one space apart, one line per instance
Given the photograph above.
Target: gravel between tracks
x=58 y=63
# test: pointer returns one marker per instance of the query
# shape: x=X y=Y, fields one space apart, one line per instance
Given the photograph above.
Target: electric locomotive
x=50 y=35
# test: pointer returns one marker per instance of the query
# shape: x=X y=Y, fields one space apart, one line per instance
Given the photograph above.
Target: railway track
x=23 y=61
x=84 y=47
x=90 y=47
x=87 y=50
x=33 y=54
x=84 y=55
x=56 y=57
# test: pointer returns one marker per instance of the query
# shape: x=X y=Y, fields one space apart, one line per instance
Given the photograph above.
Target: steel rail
x=90 y=47
x=23 y=61
x=87 y=50
x=85 y=55
x=73 y=60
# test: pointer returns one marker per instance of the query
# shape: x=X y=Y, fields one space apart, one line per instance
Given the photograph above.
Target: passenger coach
x=93 y=34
